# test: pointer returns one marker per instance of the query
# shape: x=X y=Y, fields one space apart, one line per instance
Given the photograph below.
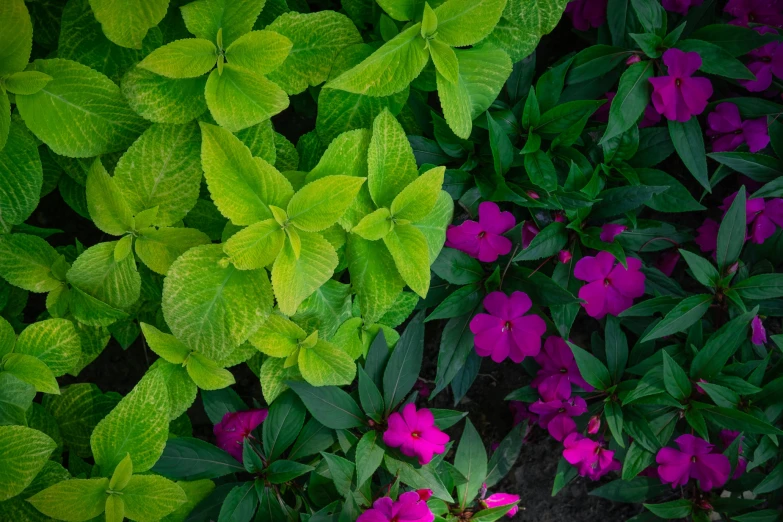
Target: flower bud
x=424 y=494
x=634 y=58
x=733 y=267
x=594 y=424
x=564 y=256
x=533 y=195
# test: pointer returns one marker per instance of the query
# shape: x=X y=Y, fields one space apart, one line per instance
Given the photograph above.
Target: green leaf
x=434 y=225
x=295 y=278
x=16 y=41
x=404 y=365
x=369 y=455
x=187 y=58
x=731 y=234
x=392 y=166
x=138 y=426
x=107 y=207
x=207 y=374
x=409 y=249
x=681 y=317
x=189 y=459
x=122 y=474
x=675 y=379
x=326 y=365
x=541 y=170
x=633 y=95
x=471 y=461
x=210 y=307
x=773 y=481
x=80 y=113
x=282 y=471
x=341 y=471
x=676 y=198
x=592 y=369
x=255 y=246
x=313 y=438
x=370 y=397
x=689 y=144
x=319 y=204
x=456 y=344
x=736 y=40
x=282 y=426
x=444 y=59
x=259 y=51
x=374 y=226
x=457 y=267
x=374 y=276
x=674 y=509
x=96 y=273
x=22 y=174
x=418 y=199
x=23 y=452
x=546 y=243
x=715 y=60
x=618 y=200
x=466 y=22
x=389 y=69
x=505 y=456
x=720 y=347
x=616 y=348
x=26 y=82
x=74 y=500
x=760 y=287
x=239 y=98
x=164 y=100
x=242 y=186
x=704 y=272
x=5 y=118
x=733 y=419
x=317 y=40
x=16 y=398
x=32 y=371
x=759 y=167
x=148 y=498
x=27 y=261
x=329 y=405
x=522 y=25
x=204 y=18
x=126 y=24
x=721 y=395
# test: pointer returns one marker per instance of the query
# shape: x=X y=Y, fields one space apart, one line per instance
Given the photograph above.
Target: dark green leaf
x=404 y=364
x=731 y=235
x=633 y=95
x=592 y=369
x=330 y=405
x=457 y=267
x=675 y=379
x=681 y=317
x=689 y=144
x=186 y=458
x=282 y=425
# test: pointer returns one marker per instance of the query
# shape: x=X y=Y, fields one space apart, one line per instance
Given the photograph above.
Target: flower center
x=507 y=326
x=677 y=82
x=561 y=410
x=751 y=17
x=563 y=370
x=766 y=59
x=693 y=459
x=415 y=434
x=606 y=282
x=481 y=235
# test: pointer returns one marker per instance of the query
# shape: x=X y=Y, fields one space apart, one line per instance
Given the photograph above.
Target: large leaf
x=374 y=276
x=523 y=23
x=164 y=100
x=22 y=175
x=97 y=274
x=54 y=342
x=239 y=98
x=23 y=452
x=186 y=458
x=127 y=23
x=74 y=500
x=319 y=204
x=391 y=163
x=186 y=58
x=404 y=365
x=27 y=261
x=259 y=51
x=204 y=18
x=409 y=249
x=466 y=22
x=471 y=461
x=16 y=42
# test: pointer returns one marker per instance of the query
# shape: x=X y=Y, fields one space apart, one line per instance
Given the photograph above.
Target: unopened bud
x=564 y=256
x=424 y=494
x=634 y=58
x=733 y=267
x=706 y=506
x=533 y=195
x=594 y=424
x=559 y=217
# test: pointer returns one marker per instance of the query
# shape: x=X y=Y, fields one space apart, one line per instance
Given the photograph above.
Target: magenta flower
x=679 y=95
x=765 y=62
x=408 y=508
x=759 y=333
x=727 y=437
x=680 y=6
x=762 y=217
x=422 y=387
x=667 y=261
x=520 y=412
x=610 y=231
x=707 y=235
x=729 y=131
x=589 y=456
x=482 y=239
x=765 y=12
x=502 y=499
x=564 y=256
x=555 y=416
x=650 y=118
x=506 y=331
x=415 y=433
x=529 y=231
x=695 y=460
x=611 y=288
x=558 y=371
x=585 y=14
x=235 y=427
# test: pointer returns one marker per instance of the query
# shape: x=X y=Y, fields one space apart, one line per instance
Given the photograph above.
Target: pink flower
x=594 y=424
x=424 y=494
x=520 y=412
x=483 y=240
x=650 y=118
x=506 y=331
x=502 y=499
x=679 y=95
x=707 y=237
x=529 y=231
x=695 y=460
x=761 y=216
x=585 y=14
x=564 y=256
x=415 y=433
x=667 y=261
x=589 y=456
x=611 y=288
x=727 y=437
x=759 y=333
x=555 y=416
x=235 y=427
x=558 y=371
x=766 y=12
x=408 y=508
x=765 y=62
x=610 y=231
x=680 y=6
x=729 y=131
x=634 y=58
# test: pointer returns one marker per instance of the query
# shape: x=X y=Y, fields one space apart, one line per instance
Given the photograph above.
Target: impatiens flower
x=727 y=438
x=729 y=131
x=759 y=333
x=506 y=331
x=680 y=6
x=695 y=460
x=766 y=12
x=520 y=412
x=235 y=427
x=765 y=62
x=707 y=235
x=589 y=456
x=762 y=217
x=650 y=118
x=555 y=416
x=679 y=95
x=482 y=239
x=408 y=508
x=585 y=14
x=415 y=433
x=529 y=231
x=502 y=499
x=558 y=371
x=610 y=231
x=667 y=261
x=611 y=287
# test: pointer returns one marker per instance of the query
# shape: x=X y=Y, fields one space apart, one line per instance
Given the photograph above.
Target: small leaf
x=592 y=369
x=186 y=58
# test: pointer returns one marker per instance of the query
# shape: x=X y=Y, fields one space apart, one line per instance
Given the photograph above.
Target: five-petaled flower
x=764 y=12
x=694 y=460
x=585 y=14
x=502 y=499
x=728 y=131
x=762 y=217
x=558 y=371
x=415 y=433
x=680 y=95
x=409 y=507
x=555 y=416
x=609 y=231
x=610 y=288
x=589 y=456
x=765 y=62
x=506 y=331
x=235 y=427
x=483 y=239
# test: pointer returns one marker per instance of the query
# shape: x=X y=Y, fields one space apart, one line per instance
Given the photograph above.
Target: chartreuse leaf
x=149 y=498
x=127 y=23
x=455 y=100
x=107 y=207
x=374 y=275
x=418 y=199
x=259 y=51
x=522 y=25
x=97 y=274
x=374 y=226
x=28 y=261
x=471 y=461
x=466 y=22
x=408 y=247
x=204 y=18
x=158 y=248
x=122 y=474
x=74 y=500
x=16 y=42
x=325 y=364
x=23 y=452
x=138 y=426
x=164 y=100
x=114 y=510
x=22 y=175
x=186 y=58
x=389 y=69
x=55 y=342
x=319 y=204
x=212 y=306
x=391 y=164
x=165 y=345
x=278 y=336
x=255 y=246
x=80 y=113
x=26 y=82
x=30 y=370
x=207 y=374
x=241 y=186
x=445 y=60
x=294 y=278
